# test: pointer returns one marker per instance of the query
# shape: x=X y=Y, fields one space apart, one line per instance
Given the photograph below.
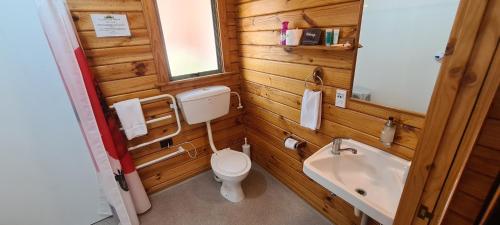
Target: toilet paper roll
x=291 y=143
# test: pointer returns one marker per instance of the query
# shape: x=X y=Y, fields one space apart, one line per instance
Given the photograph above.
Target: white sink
x=379 y=174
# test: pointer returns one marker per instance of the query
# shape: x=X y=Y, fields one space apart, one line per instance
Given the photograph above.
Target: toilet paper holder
x=294 y=143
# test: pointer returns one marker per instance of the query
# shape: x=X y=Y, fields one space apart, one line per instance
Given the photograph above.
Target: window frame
x=158 y=48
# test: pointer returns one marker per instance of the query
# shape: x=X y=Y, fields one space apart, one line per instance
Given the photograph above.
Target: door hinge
x=423 y=212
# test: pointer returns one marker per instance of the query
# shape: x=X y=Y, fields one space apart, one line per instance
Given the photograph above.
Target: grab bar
x=172 y=106
x=155 y=120
x=171 y=155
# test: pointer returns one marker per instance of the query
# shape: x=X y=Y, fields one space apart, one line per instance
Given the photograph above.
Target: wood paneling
x=483 y=167
x=123 y=70
x=276 y=6
x=338 y=15
x=90 y=41
x=340 y=59
x=105 y=5
x=340 y=78
x=83 y=22
x=126 y=67
x=274 y=81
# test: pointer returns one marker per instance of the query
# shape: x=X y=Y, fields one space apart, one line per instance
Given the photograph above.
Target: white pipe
x=210 y=138
x=159 y=119
x=364 y=219
x=239 y=99
x=155 y=120
x=173 y=154
x=148 y=99
x=357 y=212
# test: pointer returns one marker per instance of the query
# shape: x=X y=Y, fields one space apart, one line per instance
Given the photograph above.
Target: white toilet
x=205 y=104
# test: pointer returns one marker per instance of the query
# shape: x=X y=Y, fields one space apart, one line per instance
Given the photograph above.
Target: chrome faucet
x=336 y=147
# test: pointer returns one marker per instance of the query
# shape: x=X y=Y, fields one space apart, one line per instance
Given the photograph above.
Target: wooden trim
x=224 y=35
x=490 y=208
x=443 y=105
x=189 y=80
x=401 y=116
x=104 y=6
x=151 y=17
x=150 y=11
x=356 y=45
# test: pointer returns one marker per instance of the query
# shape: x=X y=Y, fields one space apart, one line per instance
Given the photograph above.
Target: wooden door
x=465 y=88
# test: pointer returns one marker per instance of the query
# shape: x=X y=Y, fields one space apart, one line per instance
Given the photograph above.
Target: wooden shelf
x=316 y=47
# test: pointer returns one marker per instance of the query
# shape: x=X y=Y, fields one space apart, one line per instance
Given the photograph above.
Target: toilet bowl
x=203 y=105
x=231 y=167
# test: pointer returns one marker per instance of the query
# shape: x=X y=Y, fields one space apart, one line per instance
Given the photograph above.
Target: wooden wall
x=479 y=175
x=124 y=68
x=271 y=80
x=273 y=84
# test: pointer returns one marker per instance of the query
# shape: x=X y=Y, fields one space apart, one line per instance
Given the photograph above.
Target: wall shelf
x=316 y=47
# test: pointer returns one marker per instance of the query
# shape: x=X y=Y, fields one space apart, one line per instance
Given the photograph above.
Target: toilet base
x=217 y=179
x=232 y=191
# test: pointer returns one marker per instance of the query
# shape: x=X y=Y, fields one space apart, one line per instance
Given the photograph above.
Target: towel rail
x=155 y=120
x=316 y=75
x=172 y=106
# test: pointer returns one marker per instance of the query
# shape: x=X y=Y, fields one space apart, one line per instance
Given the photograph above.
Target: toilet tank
x=204 y=104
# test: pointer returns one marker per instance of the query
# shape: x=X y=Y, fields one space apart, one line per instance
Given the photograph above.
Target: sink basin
x=371 y=180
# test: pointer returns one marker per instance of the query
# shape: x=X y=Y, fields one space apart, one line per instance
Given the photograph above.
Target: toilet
x=230 y=166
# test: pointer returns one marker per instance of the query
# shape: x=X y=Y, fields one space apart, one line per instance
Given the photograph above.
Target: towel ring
x=316 y=75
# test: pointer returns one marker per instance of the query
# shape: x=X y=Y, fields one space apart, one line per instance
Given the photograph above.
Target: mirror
x=402 y=46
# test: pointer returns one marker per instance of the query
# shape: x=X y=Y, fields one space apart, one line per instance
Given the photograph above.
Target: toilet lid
x=230 y=162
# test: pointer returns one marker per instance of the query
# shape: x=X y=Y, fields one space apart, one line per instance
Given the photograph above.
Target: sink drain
x=361 y=191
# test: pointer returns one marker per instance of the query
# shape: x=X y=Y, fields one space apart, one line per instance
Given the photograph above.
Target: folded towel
x=310 y=112
x=131 y=118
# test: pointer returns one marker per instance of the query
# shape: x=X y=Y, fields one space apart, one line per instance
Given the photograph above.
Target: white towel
x=310 y=112
x=131 y=118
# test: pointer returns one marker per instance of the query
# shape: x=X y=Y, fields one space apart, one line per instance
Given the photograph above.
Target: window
x=191 y=37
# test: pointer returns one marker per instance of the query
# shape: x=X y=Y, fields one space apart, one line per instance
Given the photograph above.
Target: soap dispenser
x=387 y=134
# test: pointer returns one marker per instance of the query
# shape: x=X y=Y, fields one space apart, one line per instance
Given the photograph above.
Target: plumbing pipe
x=239 y=99
x=210 y=138
x=357 y=212
x=173 y=154
x=364 y=217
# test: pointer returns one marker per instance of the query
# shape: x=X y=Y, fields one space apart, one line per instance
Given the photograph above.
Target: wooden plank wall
x=480 y=172
x=273 y=84
x=124 y=69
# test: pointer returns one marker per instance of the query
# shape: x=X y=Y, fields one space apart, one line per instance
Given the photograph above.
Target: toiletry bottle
x=336 y=34
x=328 y=37
x=284 y=28
x=387 y=134
x=246 y=148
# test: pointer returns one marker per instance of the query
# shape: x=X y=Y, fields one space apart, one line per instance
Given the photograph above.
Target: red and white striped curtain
x=71 y=61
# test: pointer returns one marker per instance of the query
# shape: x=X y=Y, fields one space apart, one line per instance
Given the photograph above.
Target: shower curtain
x=71 y=62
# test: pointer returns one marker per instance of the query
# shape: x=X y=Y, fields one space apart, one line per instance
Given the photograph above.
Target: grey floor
x=197 y=201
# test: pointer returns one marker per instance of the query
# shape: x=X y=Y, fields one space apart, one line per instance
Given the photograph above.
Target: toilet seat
x=230 y=163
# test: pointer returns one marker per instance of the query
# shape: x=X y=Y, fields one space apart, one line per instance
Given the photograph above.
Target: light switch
x=340 y=98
